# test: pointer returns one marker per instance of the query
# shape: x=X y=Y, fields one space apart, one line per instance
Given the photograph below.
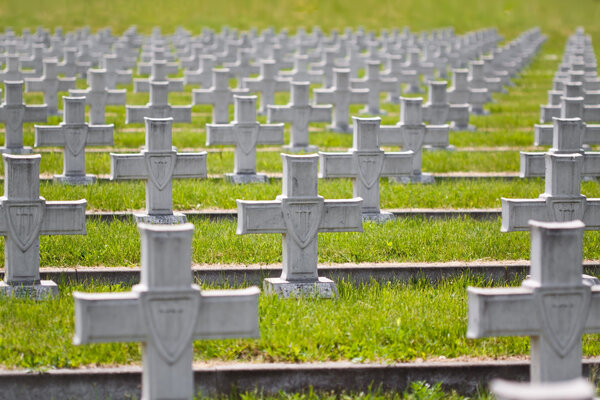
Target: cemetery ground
x=383 y=322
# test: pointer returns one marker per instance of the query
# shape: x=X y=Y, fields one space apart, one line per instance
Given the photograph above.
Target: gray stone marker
x=11 y=71
x=461 y=93
x=245 y=133
x=341 y=95
x=98 y=96
x=242 y=67
x=158 y=163
x=554 y=306
x=158 y=74
x=267 y=83
x=50 y=84
x=35 y=60
x=376 y=85
x=575 y=389
x=366 y=163
x=562 y=199
x=166 y=312
x=412 y=134
x=204 y=74
x=24 y=216
x=219 y=95
x=114 y=74
x=404 y=76
x=299 y=213
x=301 y=72
x=13 y=113
x=74 y=134
x=158 y=107
x=299 y=113
x=438 y=111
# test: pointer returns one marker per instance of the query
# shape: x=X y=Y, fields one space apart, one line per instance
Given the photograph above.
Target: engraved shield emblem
x=302 y=219
x=247 y=138
x=413 y=137
x=160 y=168
x=170 y=319
x=369 y=168
x=24 y=222
x=75 y=138
x=563 y=211
x=563 y=315
x=14 y=119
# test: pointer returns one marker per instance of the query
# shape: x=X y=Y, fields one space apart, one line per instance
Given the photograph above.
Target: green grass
x=393 y=322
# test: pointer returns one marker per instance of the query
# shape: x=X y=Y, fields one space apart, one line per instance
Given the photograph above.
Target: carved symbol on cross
x=302 y=219
x=24 y=223
x=160 y=168
x=369 y=168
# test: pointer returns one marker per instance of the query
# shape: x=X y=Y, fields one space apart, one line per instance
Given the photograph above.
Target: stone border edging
x=466 y=377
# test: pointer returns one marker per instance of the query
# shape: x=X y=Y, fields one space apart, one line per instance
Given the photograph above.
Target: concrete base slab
x=423 y=178
x=466 y=128
x=298 y=149
x=75 y=180
x=175 y=218
x=39 y=291
x=16 y=150
x=379 y=217
x=323 y=287
x=240 y=179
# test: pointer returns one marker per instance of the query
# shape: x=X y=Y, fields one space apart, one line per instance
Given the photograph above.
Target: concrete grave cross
x=113 y=73
x=480 y=88
x=461 y=93
x=366 y=163
x=341 y=95
x=11 y=71
x=299 y=113
x=204 y=74
x=412 y=134
x=267 y=83
x=158 y=163
x=145 y=68
x=242 y=67
x=74 y=134
x=158 y=74
x=554 y=306
x=396 y=70
x=376 y=85
x=13 y=113
x=69 y=66
x=166 y=312
x=35 y=61
x=158 y=107
x=299 y=213
x=245 y=133
x=219 y=95
x=438 y=111
x=562 y=199
x=301 y=71
x=98 y=96
x=24 y=216
x=50 y=84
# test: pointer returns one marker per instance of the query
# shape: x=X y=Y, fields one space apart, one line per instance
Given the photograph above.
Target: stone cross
x=166 y=311
x=301 y=72
x=554 y=306
x=145 y=68
x=50 y=84
x=267 y=83
x=245 y=133
x=562 y=200
x=158 y=74
x=24 y=216
x=13 y=113
x=69 y=66
x=35 y=61
x=404 y=76
x=158 y=163
x=438 y=111
x=412 y=134
x=158 y=107
x=74 y=134
x=114 y=74
x=204 y=74
x=12 y=72
x=219 y=95
x=98 y=96
x=299 y=113
x=376 y=85
x=299 y=213
x=341 y=95
x=366 y=163
x=242 y=67
x=461 y=93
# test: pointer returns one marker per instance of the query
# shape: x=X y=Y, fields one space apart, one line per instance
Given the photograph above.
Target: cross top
x=97 y=79
x=159 y=134
x=74 y=110
x=13 y=93
x=159 y=93
x=300 y=176
x=245 y=110
x=268 y=69
x=221 y=78
x=411 y=112
x=567 y=135
x=372 y=72
x=21 y=177
x=366 y=134
x=299 y=93
x=437 y=92
x=159 y=70
x=341 y=78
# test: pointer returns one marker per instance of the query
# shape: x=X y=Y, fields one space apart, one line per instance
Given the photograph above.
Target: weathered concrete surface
x=124 y=383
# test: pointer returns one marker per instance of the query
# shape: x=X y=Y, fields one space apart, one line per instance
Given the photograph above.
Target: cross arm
x=181 y=113
x=64 y=218
x=359 y=83
x=135 y=114
x=437 y=135
x=190 y=165
x=47 y=135
x=124 y=76
x=220 y=134
x=141 y=85
x=254 y=84
x=34 y=84
x=203 y=96
x=542 y=134
x=390 y=135
x=593 y=321
x=501 y=312
x=517 y=212
x=533 y=164
x=320 y=113
x=81 y=93
x=324 y=96
x=37 y=113
x=336 y=165
x=591 y=164
x=282 y=85
x=458 y=112
x=279 y=113
x=397 y=163
x=100 y=135
x=591 y=113
x=228 y=314
x=116 y=96
x=591 y=214
x=359 y=96
x=107 y=317
x=270 y=134
x=342 y=216
x=175 y=85
x=260 y=217
x=387 y=84
x=128 y=166
x=64 y=84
